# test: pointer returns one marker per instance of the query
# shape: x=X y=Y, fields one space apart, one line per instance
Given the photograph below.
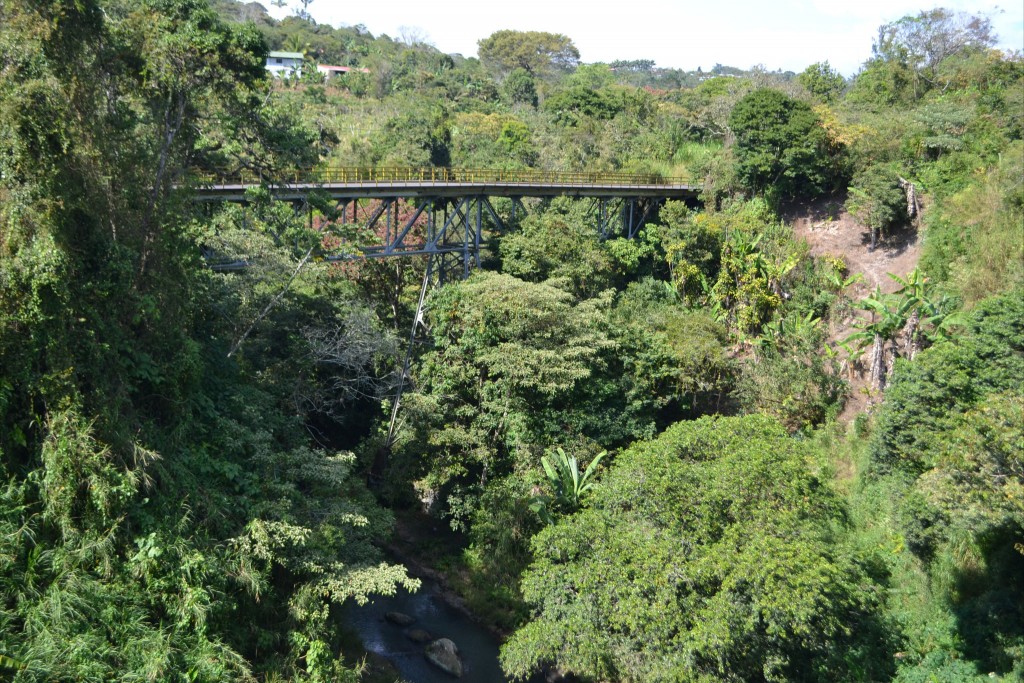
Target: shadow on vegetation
x=988 y=602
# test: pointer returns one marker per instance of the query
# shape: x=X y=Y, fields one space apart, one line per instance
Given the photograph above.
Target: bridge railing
x=386 y=175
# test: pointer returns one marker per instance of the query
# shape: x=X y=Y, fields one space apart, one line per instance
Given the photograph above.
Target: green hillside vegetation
x=639 y=446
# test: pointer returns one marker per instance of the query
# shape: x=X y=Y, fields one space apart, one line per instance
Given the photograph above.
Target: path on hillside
x=831 y=231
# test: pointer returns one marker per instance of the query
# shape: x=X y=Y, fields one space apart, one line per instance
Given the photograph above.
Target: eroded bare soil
x=831 y=231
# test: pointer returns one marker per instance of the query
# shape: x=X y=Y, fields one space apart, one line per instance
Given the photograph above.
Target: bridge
x=444 y=214
x=448 y=206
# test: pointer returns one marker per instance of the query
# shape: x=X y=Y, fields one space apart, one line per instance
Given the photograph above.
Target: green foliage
x=973 y=245
x=881 y=84
x=780 y=145
x=566 y=483
x=162 y=517
x=560 y=246
x=509 y=356
x=799 y=390
x=923 y=42
x=926 y=396
x=677 y=360
x=942 y=492
x=491 y=141
x=536 y=52
x=703 y=554
x=822 y=81
x=978 y=478
x=693 y=248
x=415 y=138
x=573 y=106
x=164 y=513
x=877 y=200
x=519 y=87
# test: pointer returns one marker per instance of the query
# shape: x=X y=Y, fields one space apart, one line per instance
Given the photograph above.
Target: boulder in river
x=443 y=654
x=399 y=618
x=418 y=635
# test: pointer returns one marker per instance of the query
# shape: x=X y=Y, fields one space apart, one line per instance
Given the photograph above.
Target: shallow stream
x=477 y=647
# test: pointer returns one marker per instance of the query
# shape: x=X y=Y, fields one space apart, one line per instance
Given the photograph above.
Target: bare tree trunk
x=878 y=373
x=174 y=117
x=913 y=342
x=912 y=203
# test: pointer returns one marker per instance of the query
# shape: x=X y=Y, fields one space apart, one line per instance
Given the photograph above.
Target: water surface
x=478 y=648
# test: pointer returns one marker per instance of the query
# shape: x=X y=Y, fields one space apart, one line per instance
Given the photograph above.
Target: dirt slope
x=830 y=230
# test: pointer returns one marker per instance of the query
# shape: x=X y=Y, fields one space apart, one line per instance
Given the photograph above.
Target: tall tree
x=923 y=42
x=537 y=52
x=780 y=145
x=822 y=81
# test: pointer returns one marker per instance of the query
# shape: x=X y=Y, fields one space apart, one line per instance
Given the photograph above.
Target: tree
x=509 y=357
x=161 y=515
x=822 y=81
x=702 y=555
x=925 y=397
x=978 y=480
x=303 y=11
x=537 y=52
x=559 y=245
x=878 y=200
x=922 y=43
x=780 y=145
x=573 y=106
x=520 y=88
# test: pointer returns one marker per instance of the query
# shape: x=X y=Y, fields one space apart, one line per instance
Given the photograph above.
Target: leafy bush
x=704 y=554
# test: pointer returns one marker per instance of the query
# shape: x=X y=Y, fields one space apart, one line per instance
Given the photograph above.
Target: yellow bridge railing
x=440 y=175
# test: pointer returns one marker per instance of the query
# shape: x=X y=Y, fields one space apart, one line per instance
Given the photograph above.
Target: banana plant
x=929 y=310
x=889 y=315
x=789 y=328
x=840 y=283
x=567 y=484
x=11 y=665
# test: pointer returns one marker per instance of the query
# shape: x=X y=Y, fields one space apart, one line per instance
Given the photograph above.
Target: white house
x=282 y=64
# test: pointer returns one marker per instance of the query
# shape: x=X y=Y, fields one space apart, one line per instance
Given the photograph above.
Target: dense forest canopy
x=715 y=451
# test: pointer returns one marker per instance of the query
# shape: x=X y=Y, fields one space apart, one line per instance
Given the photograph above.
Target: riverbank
x=430 y=549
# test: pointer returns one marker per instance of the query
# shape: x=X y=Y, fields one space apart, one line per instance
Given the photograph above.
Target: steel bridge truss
x=448 y=230
x=454 y=227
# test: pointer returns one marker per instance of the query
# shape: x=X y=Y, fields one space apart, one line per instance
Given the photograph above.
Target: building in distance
x=331 y=71
x=282 y=64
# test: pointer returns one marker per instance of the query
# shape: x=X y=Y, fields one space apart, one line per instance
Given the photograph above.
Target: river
x=477 y=647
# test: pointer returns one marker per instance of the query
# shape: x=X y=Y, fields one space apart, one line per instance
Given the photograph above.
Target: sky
x=778 y=34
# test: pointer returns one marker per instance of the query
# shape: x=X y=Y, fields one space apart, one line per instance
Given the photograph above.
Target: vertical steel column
x=387 y=226
x=476 y=237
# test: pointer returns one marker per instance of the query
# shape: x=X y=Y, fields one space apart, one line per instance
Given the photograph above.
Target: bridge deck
x=290 y=191
x=359 y=183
